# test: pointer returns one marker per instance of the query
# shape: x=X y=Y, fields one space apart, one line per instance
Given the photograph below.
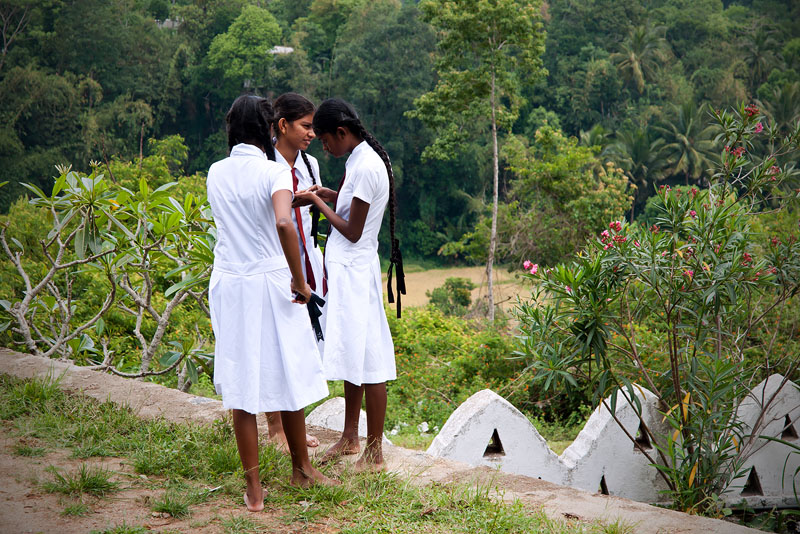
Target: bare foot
x=257 y=504
x=279 y=440
x=303 y=480
x=368 y=466
x=344 y=446
x=371 y=461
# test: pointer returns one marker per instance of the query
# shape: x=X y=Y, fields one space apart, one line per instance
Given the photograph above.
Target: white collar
x=245 y=149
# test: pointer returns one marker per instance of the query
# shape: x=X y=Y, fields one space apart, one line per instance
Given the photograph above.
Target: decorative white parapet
x=771 y=477
x=487 y=430
x=330 y=414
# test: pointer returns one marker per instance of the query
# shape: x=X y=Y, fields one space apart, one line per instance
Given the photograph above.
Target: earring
x=274 y=140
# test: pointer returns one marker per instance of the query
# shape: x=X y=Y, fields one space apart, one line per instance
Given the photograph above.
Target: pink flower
x=604 y=235
x=569 y=289
x=526 y=265
x=688 y=273
x=615 y=225
x=693 y=214
x=774 y=170
x=534 y=268
x=751 y=110
x=759 y=127
x=636 y=243
x=608 y=246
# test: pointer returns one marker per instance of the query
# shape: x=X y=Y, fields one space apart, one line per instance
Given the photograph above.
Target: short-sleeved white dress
x=266 y=358
x=304 y=181
x=358 y=343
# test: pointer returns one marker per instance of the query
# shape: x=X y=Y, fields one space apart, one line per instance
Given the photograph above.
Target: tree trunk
x=496 y=169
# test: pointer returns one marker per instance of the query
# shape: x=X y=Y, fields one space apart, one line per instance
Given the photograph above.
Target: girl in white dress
x=292 y=127
x=266 y=358
x=358 y=344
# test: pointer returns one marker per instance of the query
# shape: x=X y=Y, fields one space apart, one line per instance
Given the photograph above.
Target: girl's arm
x=281 y=203
x=350 y=228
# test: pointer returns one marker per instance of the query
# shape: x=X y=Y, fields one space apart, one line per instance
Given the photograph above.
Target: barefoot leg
x=303 y=473
x=246 y=430
x=348 y=443
x=278 y=437
x=372 y=459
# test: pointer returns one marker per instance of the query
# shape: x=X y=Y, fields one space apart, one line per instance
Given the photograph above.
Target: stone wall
x=487 y=430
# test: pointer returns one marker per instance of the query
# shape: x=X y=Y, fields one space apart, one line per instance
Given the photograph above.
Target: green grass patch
x=92 y=480
x=193 y=463
x=20 y=449
x=77 y=509
x=123 y=529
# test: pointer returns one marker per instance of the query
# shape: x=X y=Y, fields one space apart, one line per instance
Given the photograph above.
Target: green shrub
x=454 y=297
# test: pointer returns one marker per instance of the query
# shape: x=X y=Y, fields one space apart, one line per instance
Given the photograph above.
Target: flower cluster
x=747 y=259
x=738 y=151
x=751 y=110
x=759 y=128
x=532 y=268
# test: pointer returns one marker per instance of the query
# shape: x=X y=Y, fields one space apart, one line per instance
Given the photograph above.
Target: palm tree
x=689 y=140
x=783 y=106
x=640 y=54
x=642 y=157
x=758 y=53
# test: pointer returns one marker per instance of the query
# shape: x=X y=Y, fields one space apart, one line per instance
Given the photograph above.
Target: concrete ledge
x=150 y=401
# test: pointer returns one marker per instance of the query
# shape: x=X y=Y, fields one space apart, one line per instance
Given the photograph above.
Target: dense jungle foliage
x=654 y=148
x=627 y=82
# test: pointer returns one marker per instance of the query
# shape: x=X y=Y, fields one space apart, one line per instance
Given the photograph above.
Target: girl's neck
x=288 y=153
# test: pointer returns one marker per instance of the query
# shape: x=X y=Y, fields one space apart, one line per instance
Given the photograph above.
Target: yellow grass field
x=506 y=285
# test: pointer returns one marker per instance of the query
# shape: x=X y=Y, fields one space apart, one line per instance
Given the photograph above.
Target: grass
x=77 y=509
x=122 y=529
x=91 y=480
x=193 y=463
x=20 y=449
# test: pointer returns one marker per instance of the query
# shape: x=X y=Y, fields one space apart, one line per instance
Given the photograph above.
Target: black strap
x=314 y=313
x=396 y=262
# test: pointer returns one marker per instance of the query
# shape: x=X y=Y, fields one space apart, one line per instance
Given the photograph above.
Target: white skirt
x=358 y=343
x=266 y=356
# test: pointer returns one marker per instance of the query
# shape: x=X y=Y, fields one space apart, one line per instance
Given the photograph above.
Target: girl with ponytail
x=293 y=131
x=358 y=344
x=266 y=358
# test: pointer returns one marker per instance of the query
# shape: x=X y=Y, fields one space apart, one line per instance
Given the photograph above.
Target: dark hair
x=248 y=121
x=292 y=107
x=334 y=113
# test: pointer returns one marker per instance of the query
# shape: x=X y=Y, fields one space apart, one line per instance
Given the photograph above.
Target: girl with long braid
x=292 y=128
x=266 y=358
x=358 y=344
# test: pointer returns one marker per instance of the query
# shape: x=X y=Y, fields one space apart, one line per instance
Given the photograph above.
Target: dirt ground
x=506 y=285
x=26 y=508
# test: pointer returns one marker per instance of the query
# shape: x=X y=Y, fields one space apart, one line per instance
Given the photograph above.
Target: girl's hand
x=301 y=294
x=327 y=195
x=303 y=198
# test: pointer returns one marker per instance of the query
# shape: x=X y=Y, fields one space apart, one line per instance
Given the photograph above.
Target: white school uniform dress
x=358 y=344
x=266 y=358
x=304 y=181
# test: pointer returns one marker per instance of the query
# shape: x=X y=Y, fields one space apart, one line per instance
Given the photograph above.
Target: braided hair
x=248 y=121
x=292 y=106
x=334 y=113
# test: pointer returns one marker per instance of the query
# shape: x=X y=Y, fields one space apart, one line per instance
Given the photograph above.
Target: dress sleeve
x=281 y=179
x=365 y=185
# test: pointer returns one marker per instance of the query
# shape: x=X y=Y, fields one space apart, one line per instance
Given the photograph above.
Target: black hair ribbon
x=396 y=262
x=314 y=224
x=314 y=313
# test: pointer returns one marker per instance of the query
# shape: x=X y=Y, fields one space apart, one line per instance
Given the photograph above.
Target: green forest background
x=629 y=83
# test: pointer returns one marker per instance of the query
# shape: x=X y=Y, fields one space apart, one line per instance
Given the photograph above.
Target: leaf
x=100 y=326
x=693 y=473
x=685 y=405
x=80 y=243
x=192 y=369
x=34 y=189
x=169 y=358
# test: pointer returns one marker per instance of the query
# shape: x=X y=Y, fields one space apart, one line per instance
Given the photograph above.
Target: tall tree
x=487 y=49
x=642 y=156
x=689 y=140
x=640 y=54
